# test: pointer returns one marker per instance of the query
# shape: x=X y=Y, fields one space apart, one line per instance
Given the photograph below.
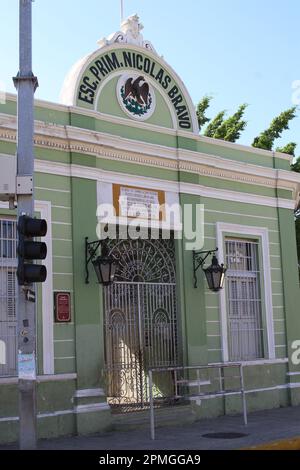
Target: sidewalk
x=264 y=427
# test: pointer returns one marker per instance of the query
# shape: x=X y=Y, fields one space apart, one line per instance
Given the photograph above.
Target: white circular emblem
x=136 y=96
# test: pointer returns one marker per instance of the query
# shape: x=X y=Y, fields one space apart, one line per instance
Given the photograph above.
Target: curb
x=286 y=444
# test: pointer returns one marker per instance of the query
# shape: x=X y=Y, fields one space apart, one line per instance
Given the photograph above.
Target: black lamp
x=215 y=273
x=105 y=265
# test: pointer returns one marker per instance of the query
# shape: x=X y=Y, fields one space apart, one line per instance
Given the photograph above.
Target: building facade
x=127 y=128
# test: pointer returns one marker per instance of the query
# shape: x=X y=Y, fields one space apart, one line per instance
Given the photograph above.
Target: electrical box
x=24 y=185
x=10 y=184
x=8 y=170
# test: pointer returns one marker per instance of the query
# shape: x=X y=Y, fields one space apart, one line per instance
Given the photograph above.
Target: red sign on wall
x=62 y=307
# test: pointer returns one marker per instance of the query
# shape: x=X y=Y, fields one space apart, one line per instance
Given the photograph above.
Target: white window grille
x=244 y=305
x=8 y=292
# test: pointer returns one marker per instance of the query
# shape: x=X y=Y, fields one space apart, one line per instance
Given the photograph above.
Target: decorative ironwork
x=140 y=321
x=144 y=260
x=91 y=249
x=104 y=265
x=199 y=258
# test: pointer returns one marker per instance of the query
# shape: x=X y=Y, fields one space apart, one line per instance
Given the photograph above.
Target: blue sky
x=236 y=50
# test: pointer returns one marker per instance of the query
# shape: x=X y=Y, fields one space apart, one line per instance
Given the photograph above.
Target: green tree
x=288 y=148
x=266 y=139
x=230 y=129
x=201 y=109
x=296 y=166
x=215 y=124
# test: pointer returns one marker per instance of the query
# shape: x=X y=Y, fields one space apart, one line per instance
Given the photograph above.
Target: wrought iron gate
x=140 y=322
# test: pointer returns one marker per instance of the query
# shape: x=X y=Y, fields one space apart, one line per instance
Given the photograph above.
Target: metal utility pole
x=26 y=84
x=122 y=11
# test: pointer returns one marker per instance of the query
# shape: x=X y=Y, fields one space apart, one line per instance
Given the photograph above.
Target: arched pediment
x=126 y=78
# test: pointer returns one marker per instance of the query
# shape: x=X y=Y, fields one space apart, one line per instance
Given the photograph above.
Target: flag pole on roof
x=122 y=11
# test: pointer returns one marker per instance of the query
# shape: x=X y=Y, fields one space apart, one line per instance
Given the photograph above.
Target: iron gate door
x=140 y=324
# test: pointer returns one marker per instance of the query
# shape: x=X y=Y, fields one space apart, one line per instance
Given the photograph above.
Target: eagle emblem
x=138 y=89
x=136 y=96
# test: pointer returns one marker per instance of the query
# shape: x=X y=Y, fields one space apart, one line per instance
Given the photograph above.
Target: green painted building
x=127 y=131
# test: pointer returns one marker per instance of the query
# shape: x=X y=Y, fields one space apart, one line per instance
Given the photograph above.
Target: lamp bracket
x=91 y=249
x=199 y=258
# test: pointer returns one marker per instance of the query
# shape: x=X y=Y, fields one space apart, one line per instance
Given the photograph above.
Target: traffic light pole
x=26 y=85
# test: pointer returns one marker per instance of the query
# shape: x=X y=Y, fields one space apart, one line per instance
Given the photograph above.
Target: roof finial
x=132 y=28
x=130 y=33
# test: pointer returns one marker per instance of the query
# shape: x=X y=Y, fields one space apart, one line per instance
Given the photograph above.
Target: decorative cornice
x=135 y=124
x=99 y=175
x=105 y=146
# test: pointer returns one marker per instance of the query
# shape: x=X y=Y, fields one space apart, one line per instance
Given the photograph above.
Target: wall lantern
x=215 y=273
x=105 y=265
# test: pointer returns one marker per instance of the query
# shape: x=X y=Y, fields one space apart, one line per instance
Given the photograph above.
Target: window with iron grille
x=244 y=304
x=8 y=292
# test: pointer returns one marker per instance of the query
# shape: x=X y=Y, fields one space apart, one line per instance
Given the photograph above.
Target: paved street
x=264 y=427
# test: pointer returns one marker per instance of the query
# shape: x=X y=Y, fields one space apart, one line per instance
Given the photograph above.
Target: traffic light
x=30 y=250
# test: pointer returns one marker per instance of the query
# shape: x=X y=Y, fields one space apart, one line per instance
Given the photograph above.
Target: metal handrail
x=220 y=366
